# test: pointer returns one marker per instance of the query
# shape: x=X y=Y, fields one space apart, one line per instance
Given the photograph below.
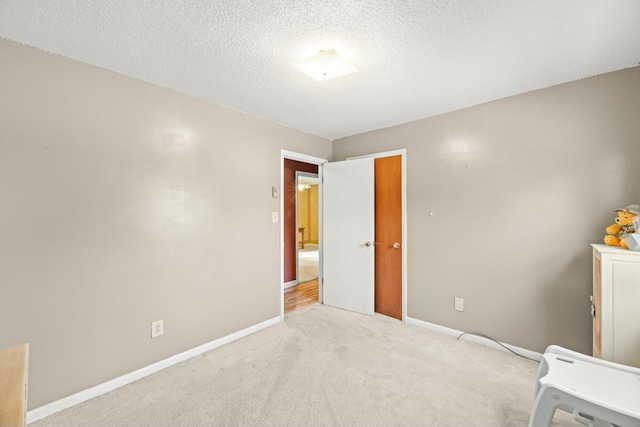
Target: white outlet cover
x=157 y=328
x=458 y=304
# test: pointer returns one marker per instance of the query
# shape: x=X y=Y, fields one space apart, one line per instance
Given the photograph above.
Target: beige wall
x=124 y=203
x=518 y=189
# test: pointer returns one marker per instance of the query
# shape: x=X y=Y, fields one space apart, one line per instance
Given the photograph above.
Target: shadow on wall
x=567 y=291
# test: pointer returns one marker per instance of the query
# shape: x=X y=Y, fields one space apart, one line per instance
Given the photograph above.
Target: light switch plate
x=274 y=192
x=274 y=217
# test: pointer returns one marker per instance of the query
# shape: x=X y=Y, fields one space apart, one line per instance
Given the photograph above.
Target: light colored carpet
x=308 y=259
x=327 y=367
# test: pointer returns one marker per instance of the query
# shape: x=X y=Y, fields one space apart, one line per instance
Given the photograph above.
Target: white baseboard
x=474 y=338
x=90 y=393
x=290 y=284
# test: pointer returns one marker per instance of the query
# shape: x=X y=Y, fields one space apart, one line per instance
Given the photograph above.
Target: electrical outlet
x=157 y=328
x=458 y=304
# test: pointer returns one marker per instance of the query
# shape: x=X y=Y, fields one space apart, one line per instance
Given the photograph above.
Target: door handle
x=396 y=245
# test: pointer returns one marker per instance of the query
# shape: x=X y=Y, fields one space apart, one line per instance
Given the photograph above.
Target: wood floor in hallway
x=300 y=295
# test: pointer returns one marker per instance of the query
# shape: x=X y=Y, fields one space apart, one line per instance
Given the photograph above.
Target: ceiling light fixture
x=326 y=64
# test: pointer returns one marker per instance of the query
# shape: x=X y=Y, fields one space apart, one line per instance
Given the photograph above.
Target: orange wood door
x=388 y=217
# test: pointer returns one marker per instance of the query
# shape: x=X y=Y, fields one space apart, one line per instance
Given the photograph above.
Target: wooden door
x=388 y=247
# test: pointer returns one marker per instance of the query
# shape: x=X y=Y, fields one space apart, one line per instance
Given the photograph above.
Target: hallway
x=301 y=295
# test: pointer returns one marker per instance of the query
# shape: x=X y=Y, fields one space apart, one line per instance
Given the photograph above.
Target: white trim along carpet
x=323 y=366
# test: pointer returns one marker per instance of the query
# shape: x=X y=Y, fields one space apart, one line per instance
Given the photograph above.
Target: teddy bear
x=616 y=233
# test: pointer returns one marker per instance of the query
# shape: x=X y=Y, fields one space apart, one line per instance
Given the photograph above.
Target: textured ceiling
x=417 y=58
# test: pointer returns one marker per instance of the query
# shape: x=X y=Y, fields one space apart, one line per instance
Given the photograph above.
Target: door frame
x=285 y=154
x=317 y=177
x=291 y=155
x=403 y=155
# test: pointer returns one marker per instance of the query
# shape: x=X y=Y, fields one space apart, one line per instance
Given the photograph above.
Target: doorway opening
x=307 y=224
x=301 y=252
x=305 y=290
x=290 y=237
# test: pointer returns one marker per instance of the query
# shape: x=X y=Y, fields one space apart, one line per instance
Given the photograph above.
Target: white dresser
x=616 y=304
